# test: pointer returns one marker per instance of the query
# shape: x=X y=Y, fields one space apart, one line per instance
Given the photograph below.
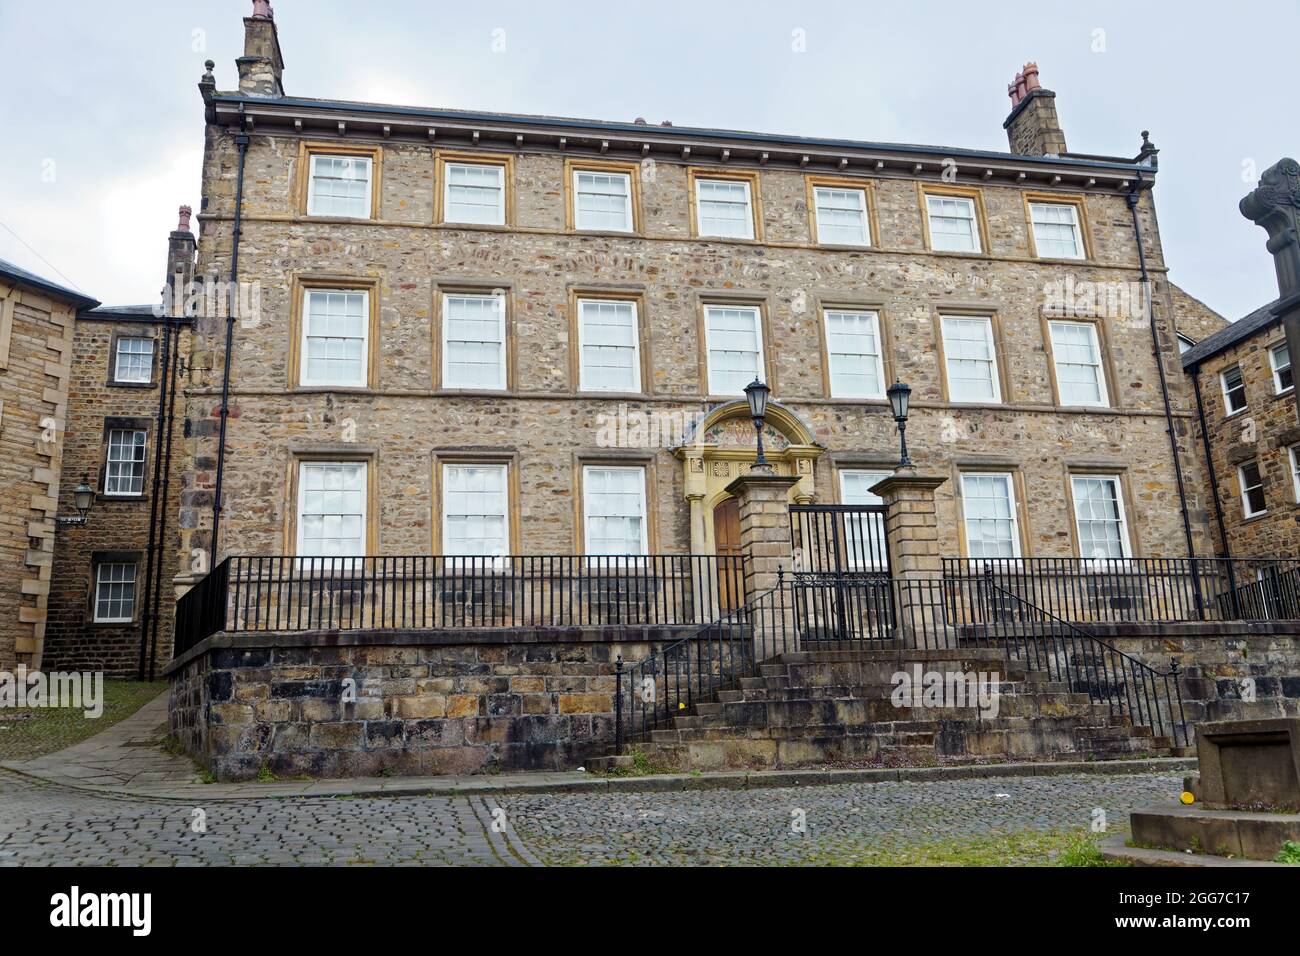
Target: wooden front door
x=726 y=545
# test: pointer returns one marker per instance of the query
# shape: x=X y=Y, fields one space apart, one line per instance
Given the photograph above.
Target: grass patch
x=1024 y=848
x=1290 y=853
x=642 y=766
x=29 y=732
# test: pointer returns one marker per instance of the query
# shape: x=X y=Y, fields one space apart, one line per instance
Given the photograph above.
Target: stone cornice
x=634 y=141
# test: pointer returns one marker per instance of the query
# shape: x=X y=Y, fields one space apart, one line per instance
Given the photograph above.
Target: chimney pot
x=1030 y=74
x=184 y=224
x=262 y=10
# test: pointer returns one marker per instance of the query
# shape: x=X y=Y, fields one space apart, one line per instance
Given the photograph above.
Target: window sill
x=137 y=385
x=106 y=497
x=1285 y=393
x=612 y=396
x=607 y=233
x=318 y=389
x=1059 y=261
x=338 y=220
x=1251 y=519
x=845 y=247
x=479 y=226
x=1240 y=411
x=961 y=255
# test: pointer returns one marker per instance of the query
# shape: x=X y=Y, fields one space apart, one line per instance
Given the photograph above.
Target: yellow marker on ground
x=1188 y=797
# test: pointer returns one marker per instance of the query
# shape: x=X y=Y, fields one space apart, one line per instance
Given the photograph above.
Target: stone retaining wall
x=466 y=702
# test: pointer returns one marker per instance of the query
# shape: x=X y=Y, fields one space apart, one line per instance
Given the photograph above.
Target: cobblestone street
x=43 y=824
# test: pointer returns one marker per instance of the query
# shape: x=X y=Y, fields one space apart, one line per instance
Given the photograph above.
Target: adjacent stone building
x=36 y=346
x=111 y=597
x=1249 y=435
x=504 y=334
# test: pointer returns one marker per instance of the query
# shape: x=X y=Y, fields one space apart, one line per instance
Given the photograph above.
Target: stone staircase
x=833 y=704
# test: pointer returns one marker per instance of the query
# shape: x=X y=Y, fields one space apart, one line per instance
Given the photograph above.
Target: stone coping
x=449 y=637
x=579 y=782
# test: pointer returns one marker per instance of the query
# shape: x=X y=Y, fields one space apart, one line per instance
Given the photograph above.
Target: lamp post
x=83 y=496
x=899 y=397
x=756 y=393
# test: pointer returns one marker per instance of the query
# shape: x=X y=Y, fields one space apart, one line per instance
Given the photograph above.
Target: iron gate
x=842 y=584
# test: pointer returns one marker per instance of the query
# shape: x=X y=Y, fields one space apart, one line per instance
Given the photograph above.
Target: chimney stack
x=261 y=68
x=181 y=249
x=1033 y=128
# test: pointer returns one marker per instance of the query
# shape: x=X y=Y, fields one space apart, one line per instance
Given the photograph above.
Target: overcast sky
x=102 y=125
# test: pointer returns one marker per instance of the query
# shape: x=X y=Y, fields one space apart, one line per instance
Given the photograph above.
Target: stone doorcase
x=722 y=448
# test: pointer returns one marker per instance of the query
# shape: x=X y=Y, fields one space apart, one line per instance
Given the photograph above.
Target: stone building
x=111 y=600
x=482 y=419
x=36 y=346
x=1249 y=434
x=511 y=334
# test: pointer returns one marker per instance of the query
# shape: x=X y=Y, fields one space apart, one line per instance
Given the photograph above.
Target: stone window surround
x=1109 y=375
x=8 y=299
x=1269 y=349
x=971 y=466
x=616 y=458
x=441 y=157
x=1293 y=461
x=116 y=336
x=973 y=193
x=470 y=456
x=340 y=453
x=92 y=592
x=696 y=173
x=573 y=166
x=1228 y=410
x=308 y=148
x=644 y=339
x=1081 y=217
x=112 y=423
x=299 y=286
x=455 y=286
x=741 y=299
x=866 y=186
x=1103 y=470
x=942 y=311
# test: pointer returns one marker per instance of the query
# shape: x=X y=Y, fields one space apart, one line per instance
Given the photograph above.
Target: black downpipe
x=1160 y=365
x=166 y=491
x=1158 y=353
x=241 y=141
x=146 y=618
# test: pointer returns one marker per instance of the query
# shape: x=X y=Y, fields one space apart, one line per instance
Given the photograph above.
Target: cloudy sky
x=103 y=126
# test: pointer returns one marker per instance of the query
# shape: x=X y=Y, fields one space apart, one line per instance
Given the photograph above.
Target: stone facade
x=1262 y=433
x=417 y=703
x=118 y=529
x=36 y=345
x=404 y=423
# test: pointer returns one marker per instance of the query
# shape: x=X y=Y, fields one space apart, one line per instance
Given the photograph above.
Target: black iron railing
x=1127 y=589
x=430 y=592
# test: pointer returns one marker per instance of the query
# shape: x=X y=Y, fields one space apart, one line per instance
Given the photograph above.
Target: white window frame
x=708 y=343
x=1125 y=542
x=1227 y=401
x=976 y=238
x=586 y=507
x=109 y=459
x=316 y=560
x=500 y=383
x=100 y=583
x=583 y=384
x=447 y=167
x=852 y=527
x=1294 y=453
x=966 y=518
x=1244 y=489
x=831 y=354
x=1080 y=250
x=1278 y=388
x=995 y=373
x=699 y=207
x=504 y=469
x=1098 y=364
x=304 y=363
x=818 y=189
x=578 y=173
x=117 y=359
x=311 y=183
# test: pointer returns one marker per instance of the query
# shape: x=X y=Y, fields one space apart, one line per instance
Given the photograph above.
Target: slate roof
x=17 y=274
x=1262 y=318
